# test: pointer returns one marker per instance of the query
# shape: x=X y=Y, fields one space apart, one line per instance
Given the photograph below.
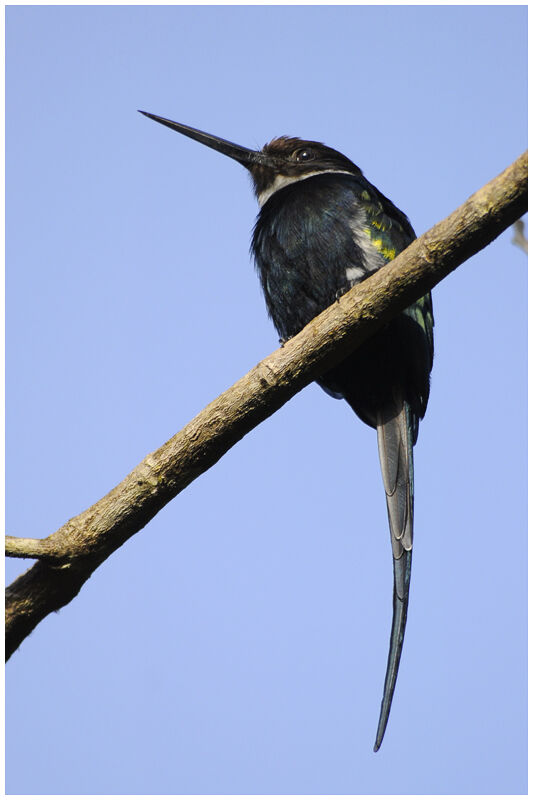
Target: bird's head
x=282 y=161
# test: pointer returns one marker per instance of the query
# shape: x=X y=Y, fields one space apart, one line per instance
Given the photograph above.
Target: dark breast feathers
x=313 y=240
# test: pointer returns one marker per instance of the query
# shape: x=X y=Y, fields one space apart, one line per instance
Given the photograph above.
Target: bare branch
x=88 y=539
x=33 y=548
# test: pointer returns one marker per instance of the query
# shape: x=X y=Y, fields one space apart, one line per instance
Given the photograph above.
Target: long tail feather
x=396 y=433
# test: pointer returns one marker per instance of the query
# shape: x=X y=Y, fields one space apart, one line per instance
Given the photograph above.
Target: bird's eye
x=304 y=155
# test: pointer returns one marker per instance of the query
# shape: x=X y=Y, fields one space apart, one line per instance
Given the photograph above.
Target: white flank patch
x=373 y=258
x=284 y=180
x=355 y=274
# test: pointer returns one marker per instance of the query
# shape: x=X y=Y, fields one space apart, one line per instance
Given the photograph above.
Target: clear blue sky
x=238 y=643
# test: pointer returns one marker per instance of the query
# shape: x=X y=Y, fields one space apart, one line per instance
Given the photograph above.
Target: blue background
x=238 y=643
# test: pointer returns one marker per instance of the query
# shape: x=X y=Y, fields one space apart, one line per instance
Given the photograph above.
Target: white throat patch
x=284 y=180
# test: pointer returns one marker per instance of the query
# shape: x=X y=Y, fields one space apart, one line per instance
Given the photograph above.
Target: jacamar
x=322 y=227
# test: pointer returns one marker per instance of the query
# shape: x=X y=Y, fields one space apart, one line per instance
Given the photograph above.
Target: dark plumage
x=322 y=228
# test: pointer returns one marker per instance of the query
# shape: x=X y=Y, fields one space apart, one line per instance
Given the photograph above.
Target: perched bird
x=322 y=227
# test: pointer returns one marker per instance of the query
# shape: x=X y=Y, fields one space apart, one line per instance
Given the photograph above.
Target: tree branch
x=33 y=548
x=68 y=557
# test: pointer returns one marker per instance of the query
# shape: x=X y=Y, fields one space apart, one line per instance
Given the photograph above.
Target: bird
x=322 y=227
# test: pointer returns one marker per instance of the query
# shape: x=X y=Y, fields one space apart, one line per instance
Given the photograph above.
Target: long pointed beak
x=243 y=155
